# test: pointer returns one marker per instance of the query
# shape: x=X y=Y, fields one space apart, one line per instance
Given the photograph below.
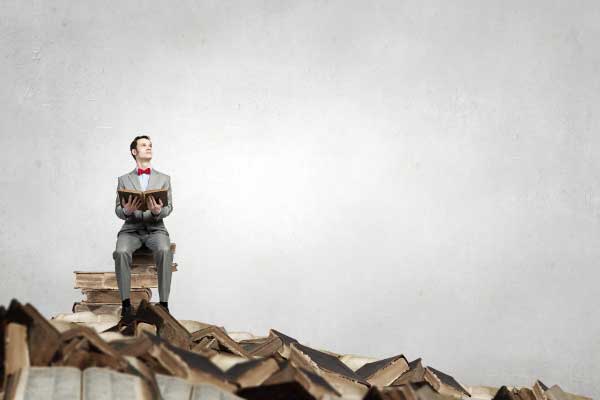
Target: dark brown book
x=208 y=347
x=425 y=391
x=82 y=347
x=158 y=194
x=284 y=350
x=160 y=359
x=514 y=394
x=264 y=347
x=102 y=308
x=317 y=385
x=292 y=390
x=167 y=327
x=524 y=393
x=251 y=344
x=253 y=372
x=290 y=383
x=335 y=372
x=225 y=343
x=287 y=340
x=327 y=362
x=505 y=393
x=415 y=373
x=192 y=367
x=449 y=385
x=383 y=372
x=133 y=347
x=439 y=381
x=113 y=296
x=404 y=392
x=108 y=280
x=43 y=340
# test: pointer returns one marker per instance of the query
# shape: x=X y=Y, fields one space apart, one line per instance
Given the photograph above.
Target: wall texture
x=385 y=177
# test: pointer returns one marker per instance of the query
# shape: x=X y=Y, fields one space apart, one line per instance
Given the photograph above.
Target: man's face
x=144 y=149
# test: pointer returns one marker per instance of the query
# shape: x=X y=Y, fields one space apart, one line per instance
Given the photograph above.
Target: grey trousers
x=159 y=243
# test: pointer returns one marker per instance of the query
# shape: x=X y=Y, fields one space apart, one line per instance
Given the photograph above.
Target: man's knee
x=122 y=252
x=162 y=249
x=161 y=244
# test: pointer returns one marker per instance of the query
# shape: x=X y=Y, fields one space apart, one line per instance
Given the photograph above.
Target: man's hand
x=153 y=206
x=131 y=205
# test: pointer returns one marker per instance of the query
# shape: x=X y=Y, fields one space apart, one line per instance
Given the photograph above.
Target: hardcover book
x=158 y=194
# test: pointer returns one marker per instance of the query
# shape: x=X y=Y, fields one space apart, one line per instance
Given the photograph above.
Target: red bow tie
x=143 y=171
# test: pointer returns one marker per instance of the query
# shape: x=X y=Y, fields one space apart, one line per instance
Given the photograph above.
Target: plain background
x=375 y=178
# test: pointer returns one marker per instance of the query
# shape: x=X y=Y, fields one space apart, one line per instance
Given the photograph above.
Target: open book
x=70 y=383
x=158 y=194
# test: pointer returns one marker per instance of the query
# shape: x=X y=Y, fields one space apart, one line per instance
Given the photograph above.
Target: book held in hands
x=158 y=194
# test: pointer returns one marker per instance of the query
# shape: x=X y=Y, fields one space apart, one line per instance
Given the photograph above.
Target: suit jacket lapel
x=153 y=179
x=135 y=180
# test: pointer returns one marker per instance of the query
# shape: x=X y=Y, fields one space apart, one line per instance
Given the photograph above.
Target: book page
x=50 y=383
x=173 y=388
x=207 y=391
x=106 y=384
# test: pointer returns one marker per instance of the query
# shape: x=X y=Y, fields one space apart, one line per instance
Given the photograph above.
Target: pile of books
x=100 y=289
x=155 y=356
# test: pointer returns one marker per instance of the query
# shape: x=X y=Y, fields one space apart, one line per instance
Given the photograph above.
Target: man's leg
x=160 y=244
x=127 y=243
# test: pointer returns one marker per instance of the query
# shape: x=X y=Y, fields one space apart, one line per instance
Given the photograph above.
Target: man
x=143 y=227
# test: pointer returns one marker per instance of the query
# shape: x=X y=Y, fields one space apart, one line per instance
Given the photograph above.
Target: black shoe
x=126 y=313
x=164 y=305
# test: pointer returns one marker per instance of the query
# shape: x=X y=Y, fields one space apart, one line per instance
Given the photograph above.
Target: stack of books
x=100 y=289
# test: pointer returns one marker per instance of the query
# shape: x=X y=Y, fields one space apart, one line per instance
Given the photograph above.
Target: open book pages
x=46 y=383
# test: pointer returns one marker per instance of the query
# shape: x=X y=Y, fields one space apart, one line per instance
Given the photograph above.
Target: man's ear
x=134 y=152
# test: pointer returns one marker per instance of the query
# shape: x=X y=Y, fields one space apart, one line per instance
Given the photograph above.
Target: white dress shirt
x=144 y=178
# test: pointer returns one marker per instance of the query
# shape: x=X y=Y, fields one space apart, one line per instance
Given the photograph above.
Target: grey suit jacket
x=144 y=220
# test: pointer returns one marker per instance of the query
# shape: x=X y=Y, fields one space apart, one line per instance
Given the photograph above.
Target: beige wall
x=414 y=177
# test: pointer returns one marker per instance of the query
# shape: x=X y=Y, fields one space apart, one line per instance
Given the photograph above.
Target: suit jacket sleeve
x=164 y=211
x=119 y=209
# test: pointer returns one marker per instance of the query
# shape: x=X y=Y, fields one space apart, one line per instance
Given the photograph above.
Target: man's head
x=141 y=148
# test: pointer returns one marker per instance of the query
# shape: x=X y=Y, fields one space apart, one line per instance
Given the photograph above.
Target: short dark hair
x=133 y=144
